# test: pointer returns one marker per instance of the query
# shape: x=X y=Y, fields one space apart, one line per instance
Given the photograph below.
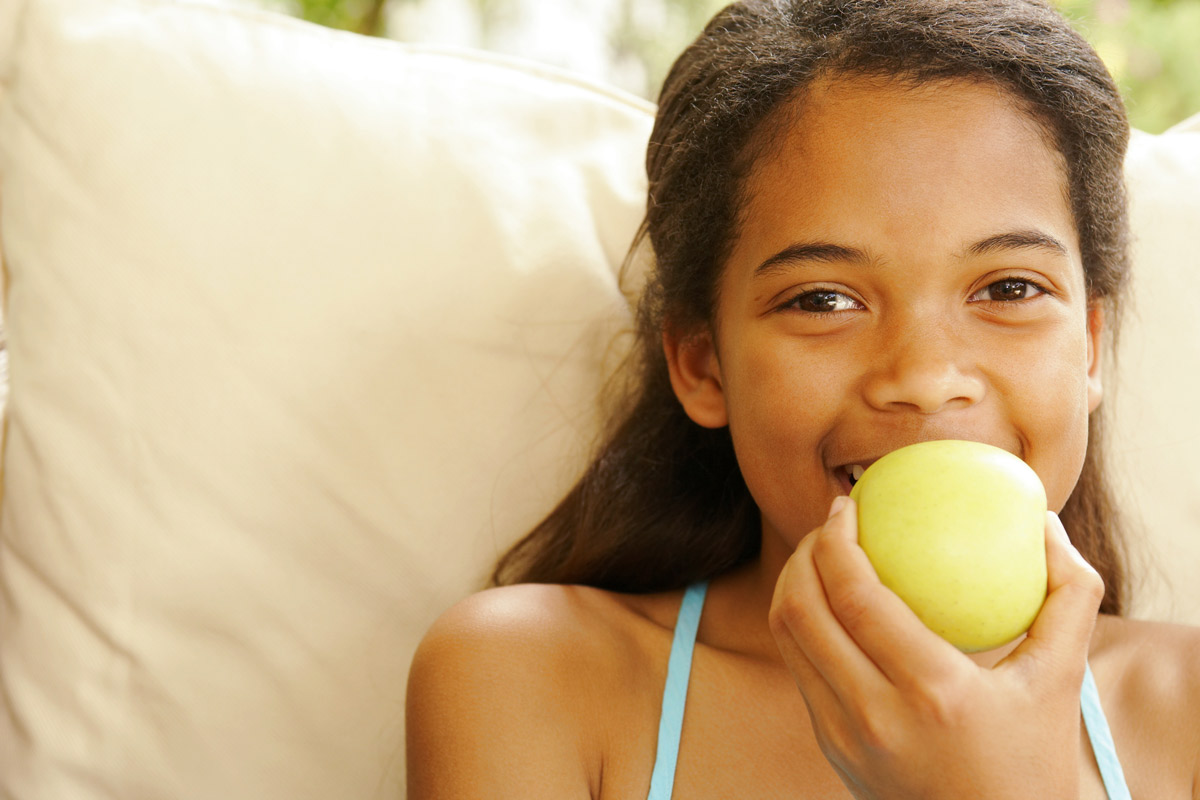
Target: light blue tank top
x=679 y=670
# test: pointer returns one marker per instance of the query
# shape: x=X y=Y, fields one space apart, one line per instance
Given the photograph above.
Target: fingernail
x=839 y=503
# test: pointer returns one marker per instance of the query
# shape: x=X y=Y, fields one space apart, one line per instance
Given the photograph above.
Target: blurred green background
x=1152 y=47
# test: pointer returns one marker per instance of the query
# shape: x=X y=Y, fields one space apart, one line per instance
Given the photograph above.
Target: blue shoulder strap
x=1101 y=739
x=679 y=670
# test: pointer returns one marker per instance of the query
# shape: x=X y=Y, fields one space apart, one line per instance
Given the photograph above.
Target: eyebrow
x=821 y=252
x=1018 y=240
x=827 y=252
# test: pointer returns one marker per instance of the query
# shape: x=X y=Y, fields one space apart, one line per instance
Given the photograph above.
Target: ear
x=1095 y=336
x=696 y=376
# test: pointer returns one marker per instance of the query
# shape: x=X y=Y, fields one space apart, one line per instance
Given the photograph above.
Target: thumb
x=1074 y=589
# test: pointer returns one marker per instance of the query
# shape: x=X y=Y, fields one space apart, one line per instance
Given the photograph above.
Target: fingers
x=855 y=632
x=882 y=626
x=803 y=621
x=842 y=632
x=819 y=653
x=885 y=693
x=823 y=704
x=1063 y=628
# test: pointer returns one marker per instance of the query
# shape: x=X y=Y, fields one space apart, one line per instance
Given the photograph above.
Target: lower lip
x=844 y=481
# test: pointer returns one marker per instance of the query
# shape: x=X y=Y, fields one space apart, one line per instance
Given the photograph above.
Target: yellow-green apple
x=957 y=530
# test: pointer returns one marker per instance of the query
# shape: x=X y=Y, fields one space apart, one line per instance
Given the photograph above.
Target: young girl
x=876 y=222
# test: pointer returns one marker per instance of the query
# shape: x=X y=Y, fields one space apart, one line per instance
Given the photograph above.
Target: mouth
x=849 y=474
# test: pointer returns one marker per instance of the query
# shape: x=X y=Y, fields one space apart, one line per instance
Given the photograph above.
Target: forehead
x=858 y=156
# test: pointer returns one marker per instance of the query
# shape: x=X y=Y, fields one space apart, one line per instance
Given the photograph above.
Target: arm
x=489 y=711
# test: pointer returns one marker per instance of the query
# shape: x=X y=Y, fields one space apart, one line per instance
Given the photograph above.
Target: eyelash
x=794 y=303
x=1040 y=290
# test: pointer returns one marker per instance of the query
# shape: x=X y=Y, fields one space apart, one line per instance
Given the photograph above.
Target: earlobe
x=696 y=377
x=1095 y=359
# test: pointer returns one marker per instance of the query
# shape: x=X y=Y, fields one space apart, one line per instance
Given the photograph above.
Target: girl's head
x=744 y=80
x=798 y=133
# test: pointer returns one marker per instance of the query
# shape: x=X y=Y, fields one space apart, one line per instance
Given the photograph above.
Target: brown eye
x=823 y=301
x=1008 y=290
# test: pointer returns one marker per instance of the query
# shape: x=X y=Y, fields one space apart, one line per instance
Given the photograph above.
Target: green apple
x=957 y=530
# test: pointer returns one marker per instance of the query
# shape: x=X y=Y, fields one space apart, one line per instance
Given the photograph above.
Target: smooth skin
x=906 y=269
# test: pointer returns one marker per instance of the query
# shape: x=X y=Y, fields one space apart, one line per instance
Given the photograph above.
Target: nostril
x=927 y=390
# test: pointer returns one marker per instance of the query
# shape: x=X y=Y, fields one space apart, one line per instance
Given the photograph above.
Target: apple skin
x=957 y=530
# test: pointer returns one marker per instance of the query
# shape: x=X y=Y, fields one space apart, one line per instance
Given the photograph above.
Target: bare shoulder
x=512 y=689
x=1148 y=657
x=557 y=627
x=1148 y=674
x=535 y=615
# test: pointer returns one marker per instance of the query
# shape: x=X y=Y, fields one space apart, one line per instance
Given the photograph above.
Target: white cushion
x=304 y=329
x=1157 y=427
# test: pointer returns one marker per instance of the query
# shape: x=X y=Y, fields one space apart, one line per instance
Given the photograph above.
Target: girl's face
x=907 y=268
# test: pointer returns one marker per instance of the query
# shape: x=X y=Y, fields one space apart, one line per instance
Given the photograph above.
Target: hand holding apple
x=899 y=713
x=957 y=530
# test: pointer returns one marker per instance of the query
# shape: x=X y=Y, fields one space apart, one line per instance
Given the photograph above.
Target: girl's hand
x=899 y=712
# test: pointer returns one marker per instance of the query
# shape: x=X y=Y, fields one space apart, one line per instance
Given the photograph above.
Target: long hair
x=663 y=502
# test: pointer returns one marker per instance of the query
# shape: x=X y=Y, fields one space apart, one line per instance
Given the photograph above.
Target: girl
x=876 y=222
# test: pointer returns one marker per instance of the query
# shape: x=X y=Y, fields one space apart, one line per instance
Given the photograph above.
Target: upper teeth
x=855 y=471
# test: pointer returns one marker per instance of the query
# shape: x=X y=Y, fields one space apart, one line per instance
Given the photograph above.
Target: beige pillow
x=1155 y=396
x=304 y=329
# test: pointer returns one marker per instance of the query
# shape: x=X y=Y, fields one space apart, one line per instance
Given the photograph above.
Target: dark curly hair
x=663 y=503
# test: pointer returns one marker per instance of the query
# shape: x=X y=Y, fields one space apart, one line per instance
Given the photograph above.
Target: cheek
x=782 y=402
x=1061 y=469
x=1054 y=407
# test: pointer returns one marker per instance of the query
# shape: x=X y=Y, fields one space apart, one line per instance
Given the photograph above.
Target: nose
x=924 y=369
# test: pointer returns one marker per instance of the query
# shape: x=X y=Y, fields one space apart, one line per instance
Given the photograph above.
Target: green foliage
x=361 y=16
x=1152 y=47
x=653 y=34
